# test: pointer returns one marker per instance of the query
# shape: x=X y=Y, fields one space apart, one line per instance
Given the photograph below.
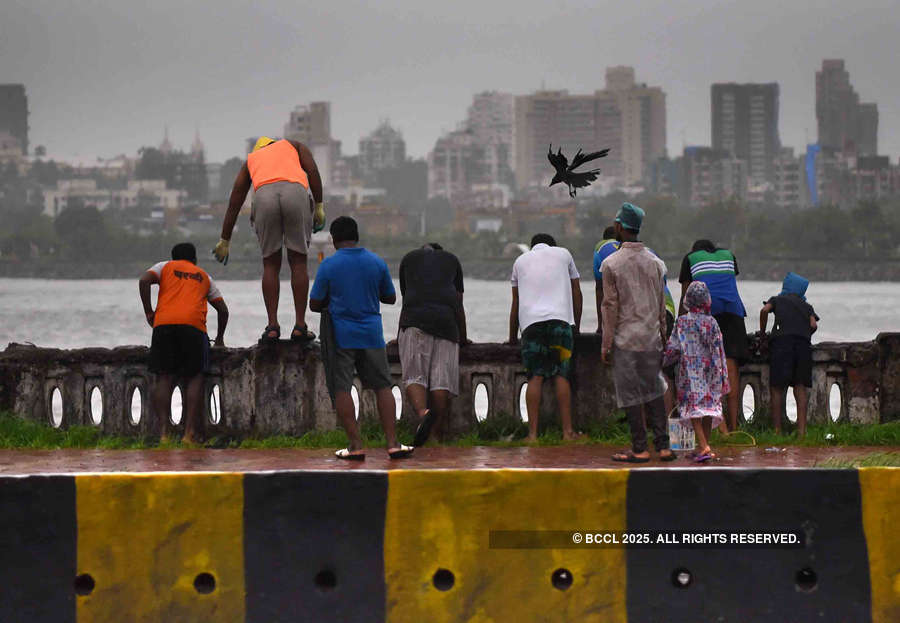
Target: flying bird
x=566 y=173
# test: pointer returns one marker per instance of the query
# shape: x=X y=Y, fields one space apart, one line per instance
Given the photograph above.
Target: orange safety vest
x=183 y=291
x=277 y=162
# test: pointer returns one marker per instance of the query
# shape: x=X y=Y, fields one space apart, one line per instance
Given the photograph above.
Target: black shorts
x=734 y=335
x=179 y=349
x=790 y=361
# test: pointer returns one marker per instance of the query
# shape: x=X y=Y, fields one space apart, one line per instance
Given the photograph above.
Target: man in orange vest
x=286 y=185
x=179 y=349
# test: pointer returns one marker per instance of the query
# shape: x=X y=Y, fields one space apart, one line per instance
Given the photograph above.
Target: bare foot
x=531 y=440
x=573 y=436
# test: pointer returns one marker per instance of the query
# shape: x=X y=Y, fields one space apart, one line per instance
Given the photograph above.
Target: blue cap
x=630 y=217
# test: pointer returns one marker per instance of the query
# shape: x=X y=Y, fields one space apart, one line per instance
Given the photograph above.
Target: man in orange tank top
x=287 y=208
x=179 y=350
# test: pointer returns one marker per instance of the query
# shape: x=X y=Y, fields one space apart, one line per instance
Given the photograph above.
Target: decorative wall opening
x=215 y=406
x=398 y=401
x=176 y=406
x=481 y=402
x=96 y=406
x=137 y=405
x=523 y=408
x=835 y=402
x=56 y=408
x=748 y=402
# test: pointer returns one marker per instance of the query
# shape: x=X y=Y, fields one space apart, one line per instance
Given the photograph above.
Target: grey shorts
x=282 y=215
x=370 y=364
x=429 y=361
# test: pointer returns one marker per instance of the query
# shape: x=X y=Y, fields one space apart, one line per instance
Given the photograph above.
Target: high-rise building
x=384 y=148
x=789 y=180
x=14 y=113
x=626 y=117
x=844 y=124
x=867 y=129
x=472 y=164
x=710 y=175
x=311 y=125
x=745 y=124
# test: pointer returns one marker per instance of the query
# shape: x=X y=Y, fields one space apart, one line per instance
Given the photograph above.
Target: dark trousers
x=656 y=419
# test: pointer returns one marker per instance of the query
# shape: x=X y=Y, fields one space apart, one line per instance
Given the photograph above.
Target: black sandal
x=424 y=429
x=302 y=334
x=267 y=339
x=628 y=457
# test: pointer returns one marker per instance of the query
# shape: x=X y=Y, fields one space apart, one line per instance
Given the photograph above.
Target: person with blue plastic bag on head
x=790 y=347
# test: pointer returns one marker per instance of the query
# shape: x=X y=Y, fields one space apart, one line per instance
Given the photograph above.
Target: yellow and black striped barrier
x=419 y=546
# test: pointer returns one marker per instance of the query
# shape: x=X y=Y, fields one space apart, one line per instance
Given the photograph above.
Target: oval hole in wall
x=96 y=406
x=56 y=408
x=398 y=401
x=523 y=408
x=136 y=406
x=748 y=402
x=835 y=402
x=790 y=406
x=176 y=406
x=481 y=402
x=215 y=409
x=354 y=394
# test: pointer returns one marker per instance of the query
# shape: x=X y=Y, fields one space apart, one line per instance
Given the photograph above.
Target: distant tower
x=166 y=147
x=198 y=151
x=14 y=113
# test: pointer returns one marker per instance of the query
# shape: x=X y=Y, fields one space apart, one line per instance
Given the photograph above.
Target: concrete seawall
x=281 y=389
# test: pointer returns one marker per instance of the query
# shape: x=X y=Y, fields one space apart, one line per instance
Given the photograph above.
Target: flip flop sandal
x=703 y=458
x=629 y=458
x=424 y=429
x=402 y=453
x=669 y=457
x=305 y=335
x=267 y=339
x=347 y=455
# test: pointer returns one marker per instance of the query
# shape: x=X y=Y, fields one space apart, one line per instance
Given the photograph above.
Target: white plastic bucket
x=681 y=435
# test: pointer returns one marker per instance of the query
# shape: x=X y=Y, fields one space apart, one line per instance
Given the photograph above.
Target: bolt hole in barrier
x=523 y=408
x=136 y=406
x=835 y=402
x=205 y=583
x=561 y=579
x=84 y=584
x=681 y=578
x=56 y=408
x=443 y=579
x=176 y=406
x=325 y=580
x=96 y=406
x=215 y=412
x=398 y=401
x=481 y=402
x=354 y=394
x=748 y=402
x=806 y=580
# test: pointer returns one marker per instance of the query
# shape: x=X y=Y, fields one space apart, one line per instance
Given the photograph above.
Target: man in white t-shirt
x=546 y=305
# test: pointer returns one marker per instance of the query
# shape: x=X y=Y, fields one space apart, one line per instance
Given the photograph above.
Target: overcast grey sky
x=104 y=76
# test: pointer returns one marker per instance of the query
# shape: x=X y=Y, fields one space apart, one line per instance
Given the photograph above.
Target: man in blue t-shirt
x=348 y=290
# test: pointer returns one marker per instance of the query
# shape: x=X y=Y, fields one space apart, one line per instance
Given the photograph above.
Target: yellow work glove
x=221 y=251
x=319 y=217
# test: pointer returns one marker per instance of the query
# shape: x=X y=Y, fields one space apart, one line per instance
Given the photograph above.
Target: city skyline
x=92 y=71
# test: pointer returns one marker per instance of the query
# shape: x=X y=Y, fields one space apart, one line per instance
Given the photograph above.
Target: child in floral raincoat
x=702 y=377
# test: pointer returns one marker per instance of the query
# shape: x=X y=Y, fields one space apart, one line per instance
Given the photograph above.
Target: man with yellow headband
x=287 y=207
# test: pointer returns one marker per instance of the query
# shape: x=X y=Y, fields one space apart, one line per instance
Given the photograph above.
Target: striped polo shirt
x=718 y=270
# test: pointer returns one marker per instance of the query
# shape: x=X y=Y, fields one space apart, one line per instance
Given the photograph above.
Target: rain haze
x=106 y=77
